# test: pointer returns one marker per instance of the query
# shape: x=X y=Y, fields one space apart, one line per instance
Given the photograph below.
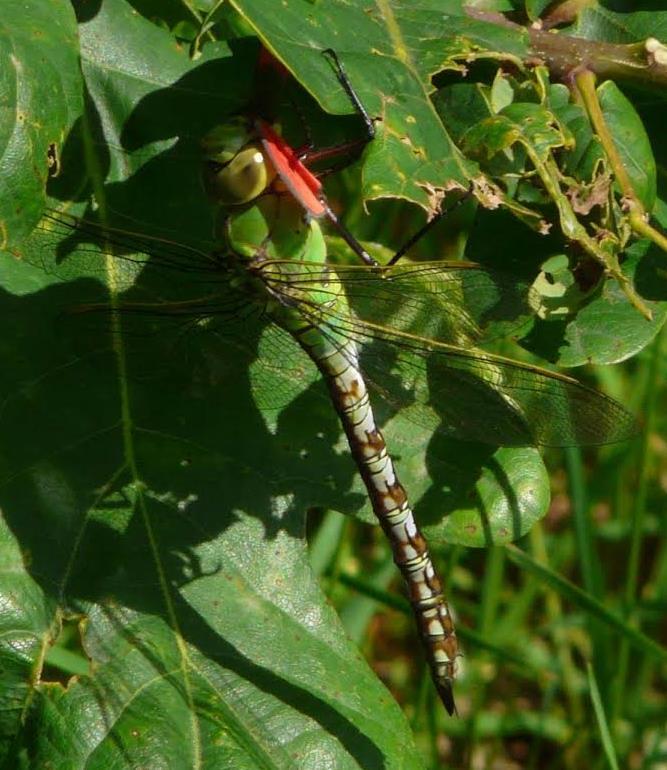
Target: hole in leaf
x=53 y=160
x=66 y=657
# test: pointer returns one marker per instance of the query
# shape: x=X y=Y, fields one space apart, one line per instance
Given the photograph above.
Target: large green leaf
x=165 y=512
x=149 y=495
x=41 y=95
x=174 y=522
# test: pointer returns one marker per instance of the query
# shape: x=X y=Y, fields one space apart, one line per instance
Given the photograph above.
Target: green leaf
x=154 y=500
x=534 y=8
x=631 y=141
x=600 y=23
x=390 y=52
x=40 y=84
x=605 y=733
x=25 y=622
x=585 y=338
x=509 y=497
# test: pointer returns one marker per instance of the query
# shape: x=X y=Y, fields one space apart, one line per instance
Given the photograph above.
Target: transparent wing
x=458 y=303
x=281 y=371
x=453 y=302
x=482 y=397
x=70 y=247
x=417 y=326
x=161 y=331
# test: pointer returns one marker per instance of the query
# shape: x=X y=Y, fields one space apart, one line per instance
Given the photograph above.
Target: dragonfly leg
x=347 y=236
x=346 y=84
x=361 y=252
x=344 y=80
x=309 y=154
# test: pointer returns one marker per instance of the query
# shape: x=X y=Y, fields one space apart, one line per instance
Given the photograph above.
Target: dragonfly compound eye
x=241 y=179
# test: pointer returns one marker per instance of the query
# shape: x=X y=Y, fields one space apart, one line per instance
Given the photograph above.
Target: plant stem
x=642 y=64
x=638 y=216
x=634 y=63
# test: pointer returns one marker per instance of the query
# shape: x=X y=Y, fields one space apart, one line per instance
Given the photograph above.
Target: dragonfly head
x=235 y=169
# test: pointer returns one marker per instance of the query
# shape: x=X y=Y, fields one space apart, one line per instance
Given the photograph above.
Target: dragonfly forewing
x=477 y=396
x=458 y=303
x=449 y=384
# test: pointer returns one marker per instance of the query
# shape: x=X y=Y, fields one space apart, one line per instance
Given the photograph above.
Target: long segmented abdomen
x=338 y=364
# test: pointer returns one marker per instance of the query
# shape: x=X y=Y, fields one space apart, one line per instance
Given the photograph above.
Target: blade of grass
x=493 y=581
x=601 y=717
x=588 y=557
x=490 y=599
x=638 y=522
x=359 y=610
x=555 y=613
x=548 y=700
x=580 y=598
x=325 y=544
x=589 y=564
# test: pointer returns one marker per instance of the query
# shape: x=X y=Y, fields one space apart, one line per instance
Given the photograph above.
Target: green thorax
x=280 y=257
x=272 y=227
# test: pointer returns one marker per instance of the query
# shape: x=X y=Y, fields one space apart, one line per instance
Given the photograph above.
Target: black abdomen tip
x=447 y=696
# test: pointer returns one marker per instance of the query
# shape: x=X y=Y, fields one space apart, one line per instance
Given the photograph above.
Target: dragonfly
x=408 y=332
